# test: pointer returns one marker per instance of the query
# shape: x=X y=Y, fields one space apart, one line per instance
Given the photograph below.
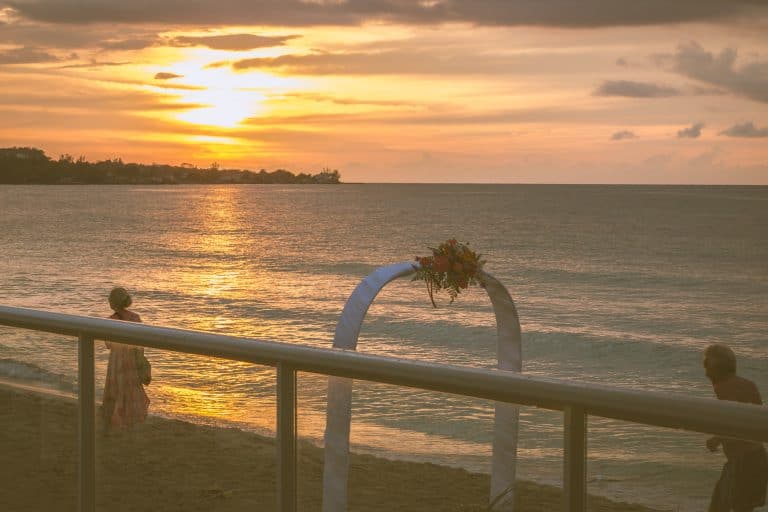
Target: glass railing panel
x=421 y=450
x=38 y=421
x=418 y=450
x=649 y=466
x=311 y=418
x=540 y=460
x=207 y=442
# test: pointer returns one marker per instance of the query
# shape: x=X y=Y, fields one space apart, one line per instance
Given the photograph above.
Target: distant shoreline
x=420 y=184
x=31 y=166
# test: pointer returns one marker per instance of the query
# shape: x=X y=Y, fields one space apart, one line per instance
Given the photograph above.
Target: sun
x=222 y=107
x=217 y=96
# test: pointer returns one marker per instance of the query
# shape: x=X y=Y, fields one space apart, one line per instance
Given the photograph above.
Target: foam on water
x=30 y=373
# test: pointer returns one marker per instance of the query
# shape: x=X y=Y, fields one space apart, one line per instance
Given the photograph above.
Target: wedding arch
x=339 y=409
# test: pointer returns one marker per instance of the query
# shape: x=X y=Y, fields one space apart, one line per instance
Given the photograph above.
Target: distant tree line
x=24 y=165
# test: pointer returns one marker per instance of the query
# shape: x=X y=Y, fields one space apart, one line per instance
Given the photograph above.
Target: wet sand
x=170 y=465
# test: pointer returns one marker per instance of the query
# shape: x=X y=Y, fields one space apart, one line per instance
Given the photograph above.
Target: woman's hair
x=720 y=358
x=119 y=299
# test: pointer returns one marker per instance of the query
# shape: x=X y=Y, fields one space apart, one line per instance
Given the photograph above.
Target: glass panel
x=650 y=466
x=420 y=450
x=207 y=441
x=540 y=459
x=38 y=415
x=311 y=427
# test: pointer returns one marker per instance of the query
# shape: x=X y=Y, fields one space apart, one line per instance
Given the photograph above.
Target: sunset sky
x=507 y=91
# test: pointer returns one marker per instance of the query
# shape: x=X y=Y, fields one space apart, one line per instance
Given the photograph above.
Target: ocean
x=618 y=285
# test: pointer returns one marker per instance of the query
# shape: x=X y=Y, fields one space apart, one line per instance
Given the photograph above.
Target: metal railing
x=577 y=401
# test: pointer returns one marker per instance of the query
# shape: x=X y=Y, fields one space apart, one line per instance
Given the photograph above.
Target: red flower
x=452 y=267
x=425 y=261
x=441 y=264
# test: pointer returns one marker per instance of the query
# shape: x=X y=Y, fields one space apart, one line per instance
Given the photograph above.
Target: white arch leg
x=339 y=410
x=505 y=423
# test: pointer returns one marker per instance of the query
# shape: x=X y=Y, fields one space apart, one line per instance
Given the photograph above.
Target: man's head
x=719 y=362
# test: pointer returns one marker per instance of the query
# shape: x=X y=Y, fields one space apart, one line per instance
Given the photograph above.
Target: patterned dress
x=125 y=402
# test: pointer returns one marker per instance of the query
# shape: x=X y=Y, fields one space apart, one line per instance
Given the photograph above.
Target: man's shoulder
x=738 y=389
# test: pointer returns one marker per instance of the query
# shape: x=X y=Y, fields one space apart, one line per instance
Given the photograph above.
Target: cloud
x=630 y=89
x=621 y=61
x=233 y=42
x=692 y=132
x=439 y=116
x=129 y=44
x=179 y=87
x=94 y=64
x=402 y=60
x=552 y=13
x=167 y=76
x=76 y=98
x=623 y=135
x=43 y=35
x=218 y=64
x=26 y=55
x=386 y=62
x=749 y=80
x=697 y=90
x=327 y=98
x=747 y=129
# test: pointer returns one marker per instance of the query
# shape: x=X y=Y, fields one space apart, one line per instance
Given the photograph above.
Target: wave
x=29 y=373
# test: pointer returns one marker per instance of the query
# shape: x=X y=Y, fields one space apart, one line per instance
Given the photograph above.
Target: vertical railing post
x=286 y=438
x=86 y=400
x=575 y=464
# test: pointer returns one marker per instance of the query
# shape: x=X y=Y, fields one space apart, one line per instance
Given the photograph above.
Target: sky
x=440 y=91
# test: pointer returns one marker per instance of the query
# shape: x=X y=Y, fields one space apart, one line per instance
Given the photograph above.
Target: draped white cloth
x=339 y=409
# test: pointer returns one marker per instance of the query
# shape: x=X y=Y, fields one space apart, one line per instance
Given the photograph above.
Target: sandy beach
x=169 y=465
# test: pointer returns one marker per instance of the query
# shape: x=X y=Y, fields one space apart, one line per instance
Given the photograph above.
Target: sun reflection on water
x=198 y=402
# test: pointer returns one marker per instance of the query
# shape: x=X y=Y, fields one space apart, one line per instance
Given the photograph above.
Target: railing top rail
x=646 y=407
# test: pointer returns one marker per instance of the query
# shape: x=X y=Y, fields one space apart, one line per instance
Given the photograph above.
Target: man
x=742 y=484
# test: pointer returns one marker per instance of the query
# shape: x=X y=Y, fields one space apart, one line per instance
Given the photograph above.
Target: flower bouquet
x=453 y=266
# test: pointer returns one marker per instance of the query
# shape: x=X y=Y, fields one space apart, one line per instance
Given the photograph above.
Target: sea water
x=617 y=285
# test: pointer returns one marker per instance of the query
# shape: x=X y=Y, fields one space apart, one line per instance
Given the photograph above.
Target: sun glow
x=221 y=107
x=216 y=95
x=222 y=98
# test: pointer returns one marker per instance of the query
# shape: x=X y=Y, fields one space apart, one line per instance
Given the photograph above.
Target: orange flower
x=452 y=267
x=425 y=261
x=441 y=264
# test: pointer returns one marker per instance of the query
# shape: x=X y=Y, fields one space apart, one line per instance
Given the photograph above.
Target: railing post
x=575 y=464
x=86 y=425
x=286 y=438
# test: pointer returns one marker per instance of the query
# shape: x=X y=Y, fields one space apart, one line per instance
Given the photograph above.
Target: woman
x=125 y=403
